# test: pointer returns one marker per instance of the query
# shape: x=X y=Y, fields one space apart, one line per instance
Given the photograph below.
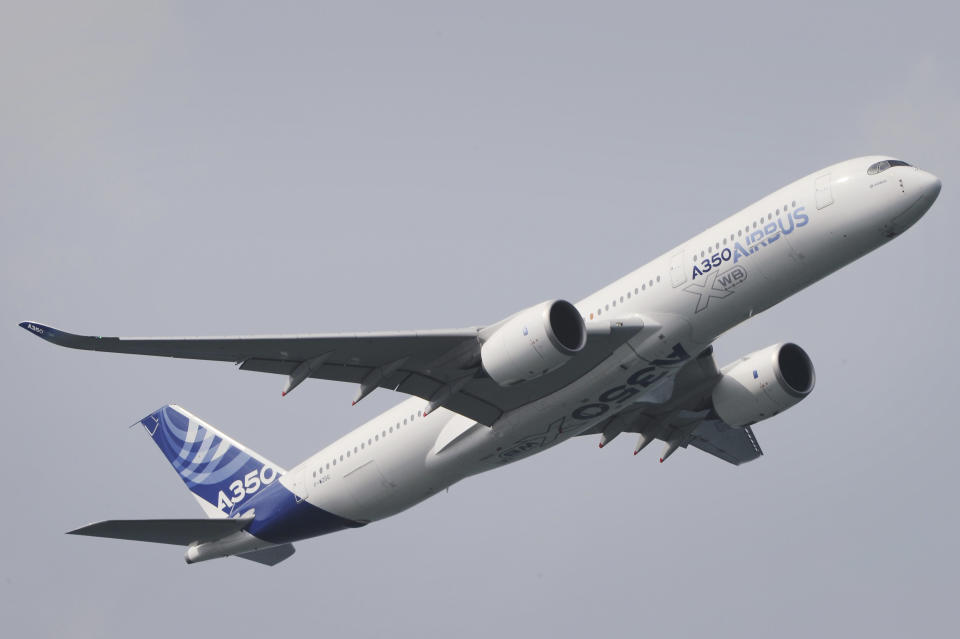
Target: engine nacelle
x=533 y=342
x=763 y=384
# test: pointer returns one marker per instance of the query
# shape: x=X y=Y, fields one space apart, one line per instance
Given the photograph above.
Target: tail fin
x=220 y=472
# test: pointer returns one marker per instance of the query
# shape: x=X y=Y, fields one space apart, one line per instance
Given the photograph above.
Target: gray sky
x=190 y=169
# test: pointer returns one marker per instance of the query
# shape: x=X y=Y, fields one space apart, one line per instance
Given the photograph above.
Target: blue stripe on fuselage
x=279 y=517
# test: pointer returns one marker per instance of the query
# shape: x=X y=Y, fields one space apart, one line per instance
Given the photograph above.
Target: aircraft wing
x=687 y=417
x=441 y=366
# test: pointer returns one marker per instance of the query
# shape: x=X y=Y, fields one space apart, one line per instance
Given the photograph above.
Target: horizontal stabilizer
x=181 y=532
x=270 y=556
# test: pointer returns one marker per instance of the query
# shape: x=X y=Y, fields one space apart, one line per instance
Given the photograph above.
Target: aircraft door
x=678 y=270
x=301 y=485
x=824 y=194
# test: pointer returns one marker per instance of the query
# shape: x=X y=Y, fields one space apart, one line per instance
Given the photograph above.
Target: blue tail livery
x=250 y=513
x=221 y=473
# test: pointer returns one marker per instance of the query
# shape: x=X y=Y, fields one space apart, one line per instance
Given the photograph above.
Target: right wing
x=687 y=418
x=734 y=445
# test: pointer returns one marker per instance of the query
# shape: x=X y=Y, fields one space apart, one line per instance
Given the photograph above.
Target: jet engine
x=533 y=342
x=763 y=384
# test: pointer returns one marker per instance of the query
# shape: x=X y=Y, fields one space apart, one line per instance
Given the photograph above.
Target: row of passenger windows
x=704 y=253
x=733 y=238
x=363 y=445
x=625 y=296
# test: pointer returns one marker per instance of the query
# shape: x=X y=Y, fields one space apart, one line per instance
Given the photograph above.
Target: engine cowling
x=533 y=342
x=763 y=384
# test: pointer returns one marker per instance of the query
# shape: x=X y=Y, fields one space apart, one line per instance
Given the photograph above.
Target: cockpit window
x=880 y=167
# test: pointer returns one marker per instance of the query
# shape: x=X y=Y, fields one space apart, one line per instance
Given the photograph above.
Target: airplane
x=634 y=357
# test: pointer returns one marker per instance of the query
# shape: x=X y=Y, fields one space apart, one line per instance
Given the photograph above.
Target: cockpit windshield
x=880 y=167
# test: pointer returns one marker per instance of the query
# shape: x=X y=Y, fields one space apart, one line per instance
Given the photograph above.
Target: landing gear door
x=824 y=193
x=678 y=271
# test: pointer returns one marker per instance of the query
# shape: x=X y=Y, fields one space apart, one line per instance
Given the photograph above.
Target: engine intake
x=534 y=342
x=763 y=384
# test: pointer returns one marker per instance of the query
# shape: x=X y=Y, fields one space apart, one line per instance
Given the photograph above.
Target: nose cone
x=930 y=186
x=925 y=189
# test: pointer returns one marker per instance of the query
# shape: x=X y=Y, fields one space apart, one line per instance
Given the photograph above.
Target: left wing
x=441 y=366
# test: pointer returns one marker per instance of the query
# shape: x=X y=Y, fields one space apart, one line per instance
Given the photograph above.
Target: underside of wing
x=686 y=419
x=735 y=445
x=441 y=366
x=270 y=556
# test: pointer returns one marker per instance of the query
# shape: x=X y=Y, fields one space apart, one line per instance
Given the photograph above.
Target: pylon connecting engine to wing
x=533 y=342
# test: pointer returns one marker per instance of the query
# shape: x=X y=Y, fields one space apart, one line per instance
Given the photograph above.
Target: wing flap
x=734 y=445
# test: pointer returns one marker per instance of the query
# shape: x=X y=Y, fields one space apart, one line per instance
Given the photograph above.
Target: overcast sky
x=199 y=168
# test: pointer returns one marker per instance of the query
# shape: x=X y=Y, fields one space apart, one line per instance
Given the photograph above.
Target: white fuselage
x=689 y=296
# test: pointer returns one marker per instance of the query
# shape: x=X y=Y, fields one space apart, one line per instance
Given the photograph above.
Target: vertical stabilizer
x=221 y=473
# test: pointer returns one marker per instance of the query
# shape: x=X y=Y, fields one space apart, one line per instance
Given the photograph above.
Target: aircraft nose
x=924 y=188
x=930 y=186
